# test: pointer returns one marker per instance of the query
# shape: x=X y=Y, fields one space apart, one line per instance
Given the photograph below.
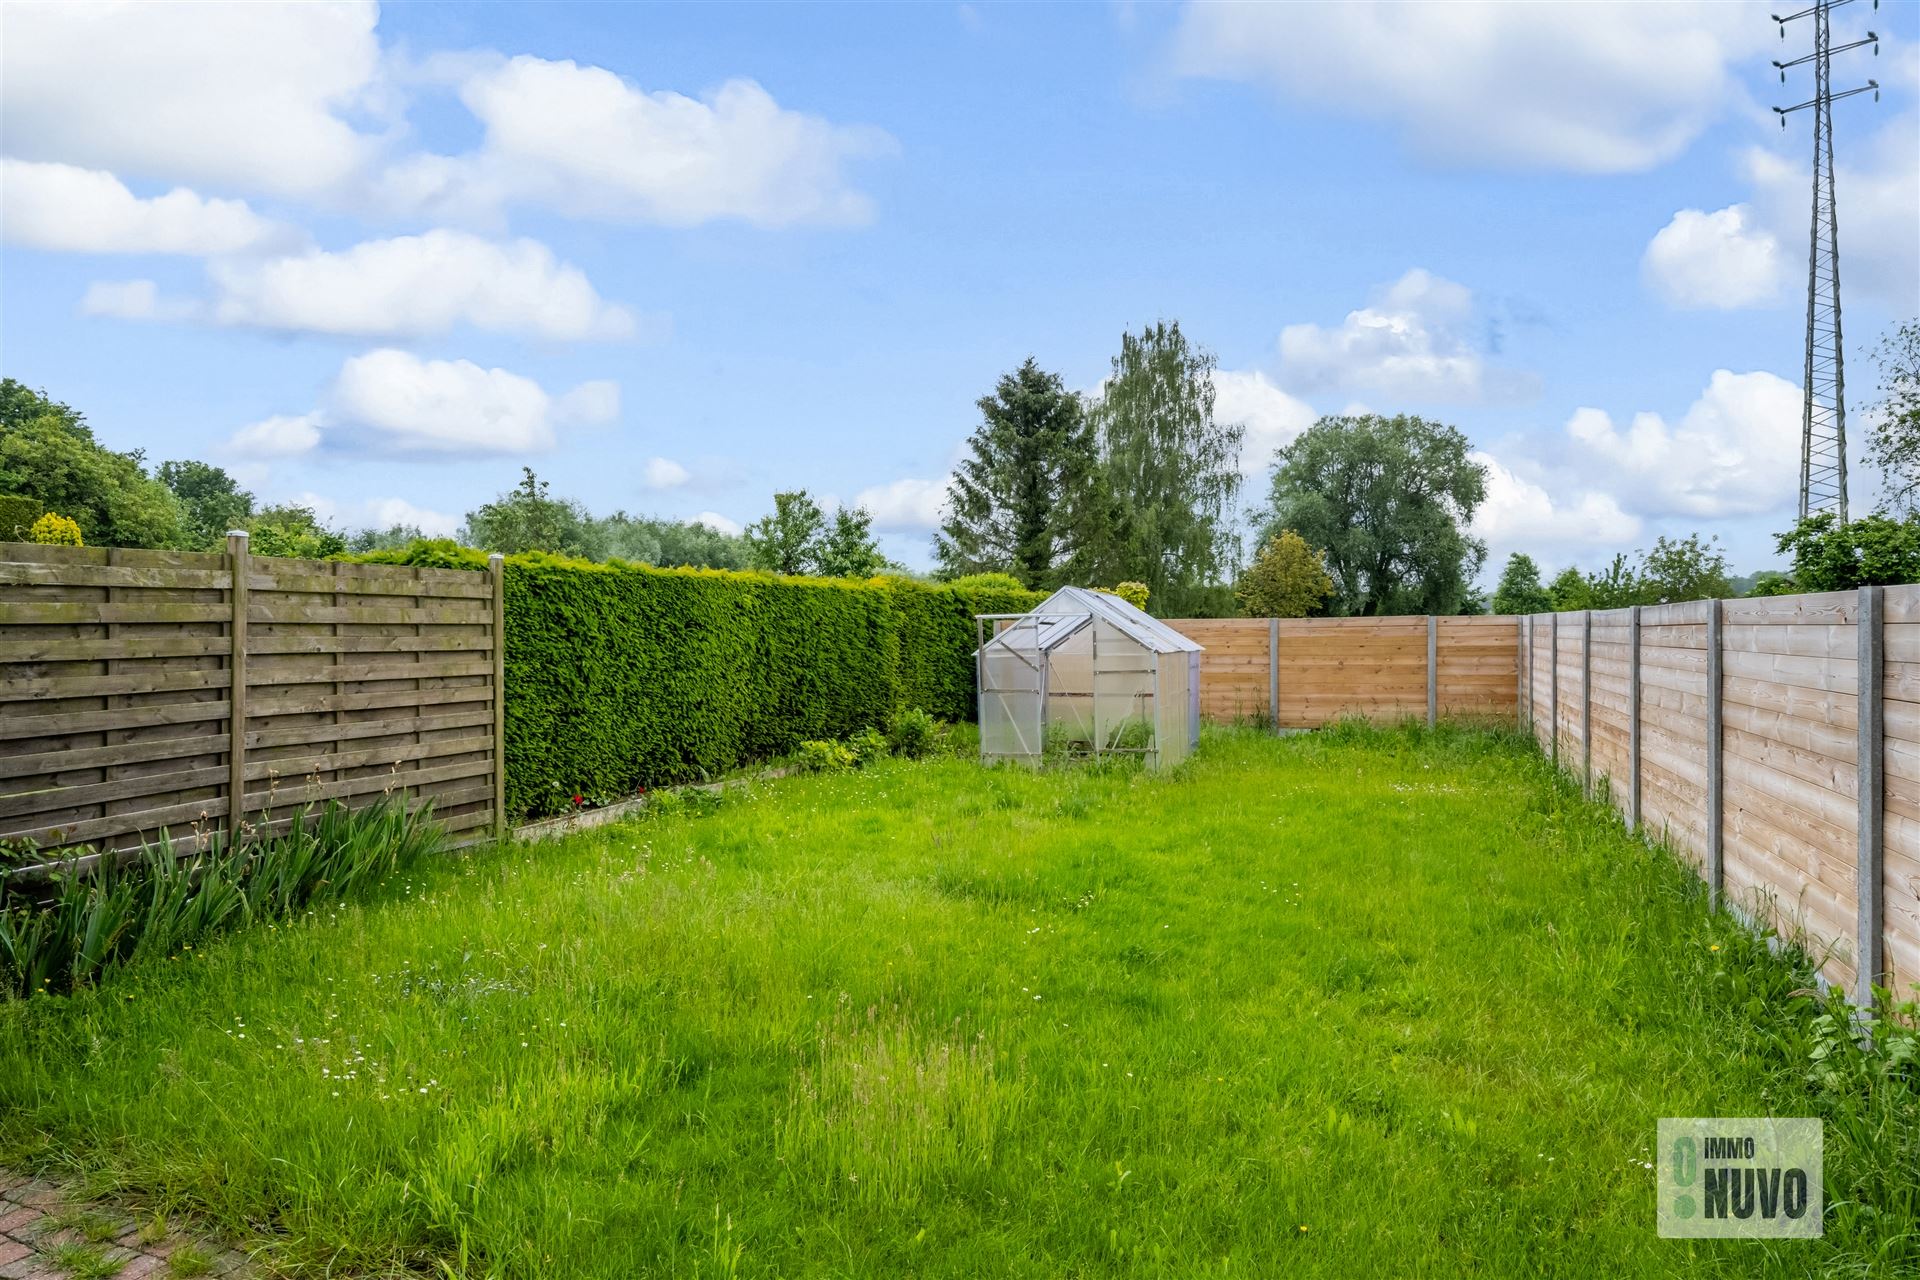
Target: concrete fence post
x=1273 y=673
x=1586 y=703
x=496 y=572
x=1433 y=671
x=1521 y=711
x=238 y=564
x=1553 y=687
x=1633 y=718
x=1716 y=804
x=1870 y=858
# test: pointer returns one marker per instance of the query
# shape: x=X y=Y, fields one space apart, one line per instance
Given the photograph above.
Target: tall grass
x=83 y=922
x=1352 y=1003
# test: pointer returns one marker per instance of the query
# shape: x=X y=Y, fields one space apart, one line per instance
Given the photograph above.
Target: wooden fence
x=1301 y=673
x=141 y=691
x=1773 y=742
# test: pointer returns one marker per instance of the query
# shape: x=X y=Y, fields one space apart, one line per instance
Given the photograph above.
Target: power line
x=1823 y=422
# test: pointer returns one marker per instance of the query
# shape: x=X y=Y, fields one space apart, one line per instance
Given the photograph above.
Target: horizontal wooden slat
x=80 y=613
x=54 y=799
x=24 y=722
x=268 y=610
x=74 y=759
x=96 y=686
x=370 y=669
x=113 y=575
x=330 y=761
x=102 y=650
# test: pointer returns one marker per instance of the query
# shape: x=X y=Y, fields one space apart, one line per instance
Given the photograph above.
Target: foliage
x=428 y=553
x=1682 y=569
x=937 y=638
x=847 y=550
x=528 y=518
x=819 y=1014
x=868 y=745
x=1134 y=593
x=168 y=898
x=1172 y=471
x=49 y=454
x=787 y=539
x=55 y=530
x=1390 y=501
x=391 y=538
x=817 y=755
x=666 y=543
x=292 y=530
x=211 y=501
x=986 y=582
x=1830 y=556
x=1771 y=582
x=1288 y=579
x=1519 y=590
x=1012 y=499
x=17 y=514
x=913 y=734
x=1893 y=437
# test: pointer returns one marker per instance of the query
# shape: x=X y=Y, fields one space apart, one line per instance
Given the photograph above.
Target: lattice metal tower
x=1823 y=425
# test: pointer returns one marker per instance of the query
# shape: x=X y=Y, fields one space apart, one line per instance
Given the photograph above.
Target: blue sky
x=676 y=258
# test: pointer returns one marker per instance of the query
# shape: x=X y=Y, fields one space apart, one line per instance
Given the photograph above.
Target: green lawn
x=1342 y=1004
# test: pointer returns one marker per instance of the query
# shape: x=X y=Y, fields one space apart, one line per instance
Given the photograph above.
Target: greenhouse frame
x=1084 y=673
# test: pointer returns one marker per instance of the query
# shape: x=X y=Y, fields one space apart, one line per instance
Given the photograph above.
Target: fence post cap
x=495 y=558
x=237 y=533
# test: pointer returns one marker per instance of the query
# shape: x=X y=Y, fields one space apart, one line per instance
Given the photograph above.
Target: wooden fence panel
x=1476 y=658
x=117 y=691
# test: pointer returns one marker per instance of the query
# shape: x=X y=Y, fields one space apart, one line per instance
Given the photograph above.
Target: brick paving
x=30 y=1208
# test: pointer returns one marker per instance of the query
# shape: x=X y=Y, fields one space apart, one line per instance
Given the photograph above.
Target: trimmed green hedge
x=621 y=675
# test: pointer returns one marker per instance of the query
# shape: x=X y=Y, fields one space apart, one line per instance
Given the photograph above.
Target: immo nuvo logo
x=1758 y=1179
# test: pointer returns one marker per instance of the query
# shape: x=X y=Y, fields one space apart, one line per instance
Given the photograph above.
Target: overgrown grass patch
x=1394 y=1002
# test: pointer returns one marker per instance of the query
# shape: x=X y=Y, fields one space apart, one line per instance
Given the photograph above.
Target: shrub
x=987 y=582
x=1134 y=593
x=868 y=745
x=821 y=756
x=55 y=530
x=913 y=734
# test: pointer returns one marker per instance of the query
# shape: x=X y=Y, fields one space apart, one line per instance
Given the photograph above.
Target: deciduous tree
x=848 y=549
x=789 y=538
x=49 y=454
x=1172 y=469
x=1389 y=500
x=1893 y=439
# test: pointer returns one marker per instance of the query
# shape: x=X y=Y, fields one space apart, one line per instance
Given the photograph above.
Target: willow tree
x=1172 y=470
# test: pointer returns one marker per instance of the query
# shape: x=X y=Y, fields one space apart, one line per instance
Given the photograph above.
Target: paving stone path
x=47 y=1235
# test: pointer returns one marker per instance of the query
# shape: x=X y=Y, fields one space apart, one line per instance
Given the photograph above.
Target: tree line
x=1138 y=484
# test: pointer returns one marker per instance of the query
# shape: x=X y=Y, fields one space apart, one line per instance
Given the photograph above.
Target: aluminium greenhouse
x=1086 y=674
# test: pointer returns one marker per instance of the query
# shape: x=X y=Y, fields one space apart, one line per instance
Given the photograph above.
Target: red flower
x=578 y=800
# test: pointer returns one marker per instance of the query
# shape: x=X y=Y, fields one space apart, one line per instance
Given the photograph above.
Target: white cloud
x=1736 y=450
x=278 y=437
x=1878 y=181
x=132 y=300
x=394 y=401
x=1272 y=417
x=587 y=143
x=240 y=96
x=1715 y=260
x=664 y=473
x=1592 y=88
x=416 y=285
x=379 y=513
x=714 y=520
x=74 y=210
x=1413 y=342
x=1519 y=514
x=905 y=505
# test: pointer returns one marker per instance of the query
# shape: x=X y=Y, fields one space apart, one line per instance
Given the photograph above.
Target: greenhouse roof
x=1064 y=612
